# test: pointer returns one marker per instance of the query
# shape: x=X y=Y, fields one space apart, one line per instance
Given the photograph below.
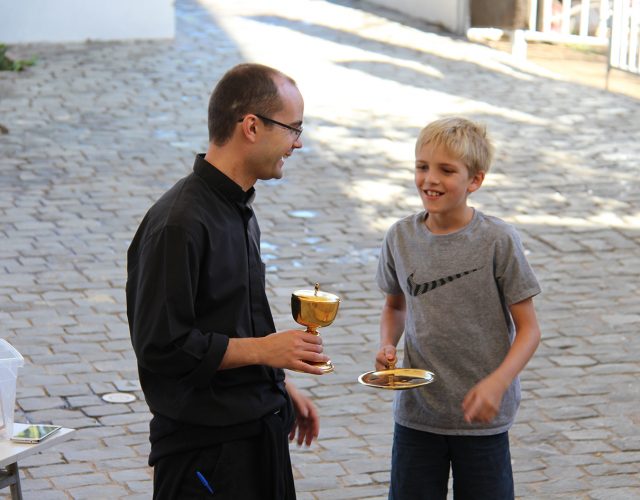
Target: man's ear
x=249 y=128
x=476 y=182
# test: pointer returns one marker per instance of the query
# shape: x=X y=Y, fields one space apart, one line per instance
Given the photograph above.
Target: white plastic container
x=10 y=361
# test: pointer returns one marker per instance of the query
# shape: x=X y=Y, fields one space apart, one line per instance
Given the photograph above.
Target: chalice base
x=326 y=367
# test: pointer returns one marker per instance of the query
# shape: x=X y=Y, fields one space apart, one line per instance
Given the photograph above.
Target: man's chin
x=278 y=172
x=274 y=175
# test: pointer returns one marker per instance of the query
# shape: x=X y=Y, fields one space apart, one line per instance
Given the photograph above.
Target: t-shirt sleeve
x=514 y=275
x=386 y=275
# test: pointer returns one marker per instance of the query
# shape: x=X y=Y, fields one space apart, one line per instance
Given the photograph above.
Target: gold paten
x=315 y=309
x=396 y=379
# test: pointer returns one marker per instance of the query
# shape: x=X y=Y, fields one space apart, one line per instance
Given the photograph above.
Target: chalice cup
x=315 y=309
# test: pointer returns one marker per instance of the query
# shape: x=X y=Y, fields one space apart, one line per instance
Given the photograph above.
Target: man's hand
x=293 y=349
x=482 y=402
x=386 y=357
x=307 y=423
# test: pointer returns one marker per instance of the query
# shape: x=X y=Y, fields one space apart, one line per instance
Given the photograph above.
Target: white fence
x=612 y=23
x=569 y=21
x=607 y=23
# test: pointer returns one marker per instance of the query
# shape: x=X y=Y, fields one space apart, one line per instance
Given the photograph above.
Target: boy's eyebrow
x=427 y=162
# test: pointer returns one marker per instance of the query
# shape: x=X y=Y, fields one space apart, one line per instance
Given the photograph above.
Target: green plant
x=8 y=64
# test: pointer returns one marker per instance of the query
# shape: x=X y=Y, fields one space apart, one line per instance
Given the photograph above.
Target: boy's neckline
x=453 y=229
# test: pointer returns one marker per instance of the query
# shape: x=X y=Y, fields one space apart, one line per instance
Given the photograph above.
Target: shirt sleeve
x=386 y=276
x=163 y=286
x=514 y=275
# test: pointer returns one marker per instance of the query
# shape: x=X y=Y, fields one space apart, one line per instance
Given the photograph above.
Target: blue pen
x=204 y=482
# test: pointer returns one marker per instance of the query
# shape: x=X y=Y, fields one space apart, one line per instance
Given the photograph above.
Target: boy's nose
x=431 y=178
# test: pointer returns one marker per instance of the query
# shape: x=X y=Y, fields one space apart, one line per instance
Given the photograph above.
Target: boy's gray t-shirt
x=458 y=288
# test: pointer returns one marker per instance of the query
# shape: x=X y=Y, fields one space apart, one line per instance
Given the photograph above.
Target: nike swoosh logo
x=416 y=289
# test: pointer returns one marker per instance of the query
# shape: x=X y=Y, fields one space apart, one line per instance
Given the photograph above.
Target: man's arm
x=160 y=305
x=483 y=401
x=391 y=329
x=292 y=349
x=307 y=422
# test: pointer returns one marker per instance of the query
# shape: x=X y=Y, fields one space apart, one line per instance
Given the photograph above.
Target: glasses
x=295 y=131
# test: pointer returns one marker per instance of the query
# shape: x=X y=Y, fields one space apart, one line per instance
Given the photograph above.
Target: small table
x=11 y=452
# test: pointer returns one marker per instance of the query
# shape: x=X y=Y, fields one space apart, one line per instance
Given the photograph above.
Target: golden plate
x=397 y=379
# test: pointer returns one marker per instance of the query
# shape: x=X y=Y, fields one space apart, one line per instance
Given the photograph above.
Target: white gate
x=625 y=36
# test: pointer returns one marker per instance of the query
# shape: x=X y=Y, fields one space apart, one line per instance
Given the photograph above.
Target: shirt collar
x=218 y=181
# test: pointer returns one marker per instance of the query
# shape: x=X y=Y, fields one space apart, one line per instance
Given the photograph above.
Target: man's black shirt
x=196 y=279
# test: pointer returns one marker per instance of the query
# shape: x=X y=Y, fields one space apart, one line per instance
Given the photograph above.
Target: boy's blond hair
x=462 y=138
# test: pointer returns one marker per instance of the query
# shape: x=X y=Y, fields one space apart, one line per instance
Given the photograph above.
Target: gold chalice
x=314 y=309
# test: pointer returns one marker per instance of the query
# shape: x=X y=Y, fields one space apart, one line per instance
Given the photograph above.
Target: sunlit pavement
x=97 y=131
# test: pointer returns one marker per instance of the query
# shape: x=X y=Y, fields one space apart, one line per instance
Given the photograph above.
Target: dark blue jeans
x=481 y=466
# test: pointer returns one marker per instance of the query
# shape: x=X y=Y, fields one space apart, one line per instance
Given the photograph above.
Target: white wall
x=453 y=15
x=25 y=21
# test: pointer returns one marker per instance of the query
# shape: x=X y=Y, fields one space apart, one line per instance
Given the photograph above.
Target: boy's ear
x=476 y=182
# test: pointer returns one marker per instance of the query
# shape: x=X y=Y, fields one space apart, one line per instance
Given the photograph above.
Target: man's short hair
x=462 y=138
x=245 y=88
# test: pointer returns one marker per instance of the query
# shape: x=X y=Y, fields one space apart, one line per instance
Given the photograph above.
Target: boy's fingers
x=390 y=353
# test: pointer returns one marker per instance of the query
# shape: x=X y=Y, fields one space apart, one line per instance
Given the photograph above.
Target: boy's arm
x=391 y=329
x=482 y=402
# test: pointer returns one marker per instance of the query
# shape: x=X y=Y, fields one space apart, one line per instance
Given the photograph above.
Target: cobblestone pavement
x=98 y=130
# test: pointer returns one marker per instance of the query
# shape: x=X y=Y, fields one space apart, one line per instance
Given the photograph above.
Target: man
x=209 y=361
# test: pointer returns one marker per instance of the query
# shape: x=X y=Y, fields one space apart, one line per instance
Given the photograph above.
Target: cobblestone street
x=97 y=131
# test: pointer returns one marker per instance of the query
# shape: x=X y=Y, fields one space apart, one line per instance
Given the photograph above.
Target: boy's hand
x=386 y=357
x=482 y=402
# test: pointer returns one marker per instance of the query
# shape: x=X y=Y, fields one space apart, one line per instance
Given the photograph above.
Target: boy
x=459 y=286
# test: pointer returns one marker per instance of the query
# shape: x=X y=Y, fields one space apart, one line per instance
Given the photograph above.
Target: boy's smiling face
x=443 y=182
